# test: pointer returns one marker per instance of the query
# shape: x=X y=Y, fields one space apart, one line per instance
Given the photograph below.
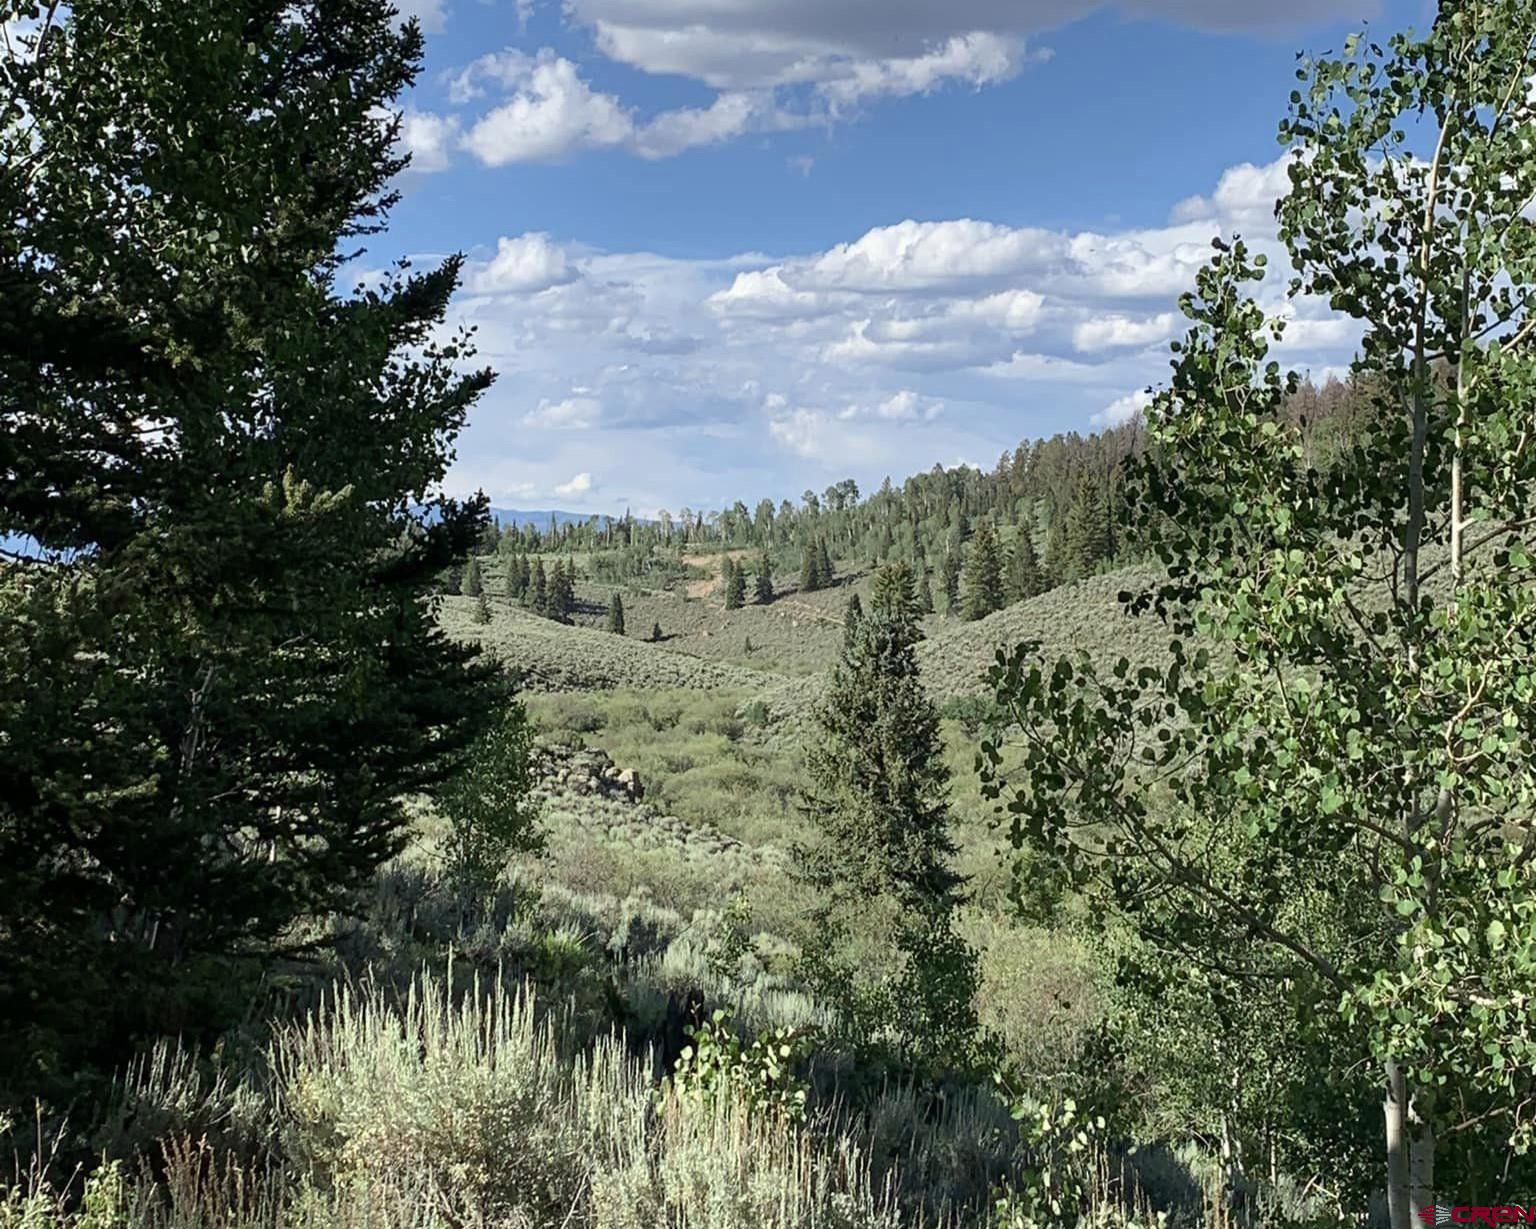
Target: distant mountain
x=539 y=517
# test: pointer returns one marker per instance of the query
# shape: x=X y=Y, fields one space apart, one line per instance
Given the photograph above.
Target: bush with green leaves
x=489 y=805
x=718 y=1068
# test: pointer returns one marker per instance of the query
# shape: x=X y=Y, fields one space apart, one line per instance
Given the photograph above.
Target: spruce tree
x=949 y=578
x=482 y=610
x=1086 y=538
x=810 y=574
x=561 y=602
x=923 y=593
x=853 y=614
x=735 y=585
x=538 y=589
x=764 y=581
x=471 y=584
x=616 y=614
x=1024 y=579
x=826 y=577
x=877 y=798
x=215 y=699
x=982 y=578
x=656 y=632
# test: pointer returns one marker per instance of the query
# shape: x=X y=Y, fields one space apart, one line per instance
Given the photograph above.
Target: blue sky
x=725 y=249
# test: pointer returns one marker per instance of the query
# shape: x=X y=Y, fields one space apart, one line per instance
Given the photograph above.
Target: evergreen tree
x=471 y=584
x=561 y=603
x=482 y=610
x=515 y=583
x=826 y=577
x=877 y=797
x=1085 y=542
x=923 y=593
x=215 y=699
x=656 y=632
x=810 y=573
x=983 y=574
x=616 y=614
x=735 y=585
x=853 y=614
x=538 y=589
x=1024 y=579
x=949 y=578
x=764 y=580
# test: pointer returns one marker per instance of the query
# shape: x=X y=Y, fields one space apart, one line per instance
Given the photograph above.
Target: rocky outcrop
x=586 y=772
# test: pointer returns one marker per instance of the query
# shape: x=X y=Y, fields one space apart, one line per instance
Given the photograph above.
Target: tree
x=949 y=578
x=1347 y=794
x=470 y=583
x=515 y=580
x=810 y=572
x=983 y=574
x=224 y=676
x=733 y=579
x=877 y=798
x=825 y=575
x=656 y=632
x=482 y=610
x=560 y=603
x=490 y=808
x=1024 y=578
x=1085 y=537
x=923 y=593
x=538 y=589
x=616 y=614
x=764 y=577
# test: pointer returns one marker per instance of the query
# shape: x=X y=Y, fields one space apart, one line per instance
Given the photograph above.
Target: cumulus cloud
x=523 y=264
x=429 y=139
x=732 y=45
x=567 y=414
x=912 y=341
x=1123 y=409
x=1115 y=332
x=552 y=113
x=579 y=485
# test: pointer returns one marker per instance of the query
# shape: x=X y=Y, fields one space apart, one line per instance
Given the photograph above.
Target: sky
x=734 y=249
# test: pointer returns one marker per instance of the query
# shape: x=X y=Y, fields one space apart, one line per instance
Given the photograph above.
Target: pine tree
x=853 y=615
x=1024 y=579
x=656 y=632
x=616 y=614
x=470 y=584
x=810 y=574
x=482 y=610
x=949 y=578
x=877 y=798
x=561 y=602
x=214 y=702
x=735 y=585
x=826 y=577
x=983 y=574
x=1086 y=537
x=516 y=581
x=923 y=593
x=764 y=581
x=538 y=589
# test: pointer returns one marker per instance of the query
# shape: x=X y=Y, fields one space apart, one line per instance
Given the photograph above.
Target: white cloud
x=976 y=59
x=524 y=264
x=429 y=139
x=910 y=342
x=731 y=44
x=1116 y=332
x=579 y=485
x=568 y=414
x=551 y=114
x=430 y=13
x=1122 y=410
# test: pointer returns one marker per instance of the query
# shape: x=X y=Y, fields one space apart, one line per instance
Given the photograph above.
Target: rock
x=629 y=781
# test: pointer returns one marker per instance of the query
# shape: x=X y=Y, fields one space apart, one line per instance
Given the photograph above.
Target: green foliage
x=733 y=577
x=656 y=632
x=489 y=806
x=560 y=599
x=1024 y=575
x=982 y=577
x=538 y=589
x=876 y=795
x=470 y=582
x=1342 y=817
x=616 y=615
x=482 y=610
x=718 y=1069
x=219 y=687
x=764 y=587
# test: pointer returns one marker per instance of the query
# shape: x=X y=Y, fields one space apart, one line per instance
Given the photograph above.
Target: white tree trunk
x=1399 y=1194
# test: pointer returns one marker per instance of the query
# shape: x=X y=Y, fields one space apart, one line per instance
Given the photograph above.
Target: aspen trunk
x=1399 y=1196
